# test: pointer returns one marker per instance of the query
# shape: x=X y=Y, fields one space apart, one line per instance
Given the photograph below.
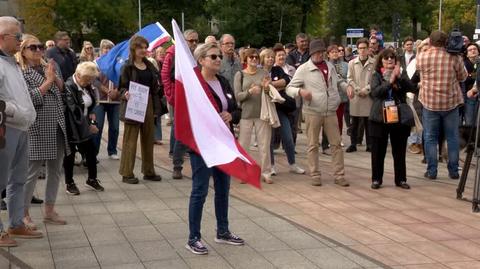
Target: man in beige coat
x=316 y=82
x=360 y=72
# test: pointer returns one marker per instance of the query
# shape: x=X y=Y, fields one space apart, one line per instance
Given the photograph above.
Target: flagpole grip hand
x=226 y=117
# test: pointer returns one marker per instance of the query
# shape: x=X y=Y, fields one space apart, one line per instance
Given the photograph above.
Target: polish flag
x=197 y=121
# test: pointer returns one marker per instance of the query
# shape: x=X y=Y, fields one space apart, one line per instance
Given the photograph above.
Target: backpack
x=455 y=42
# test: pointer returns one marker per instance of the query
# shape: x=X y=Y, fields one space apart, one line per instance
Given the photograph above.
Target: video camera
x=455 y=42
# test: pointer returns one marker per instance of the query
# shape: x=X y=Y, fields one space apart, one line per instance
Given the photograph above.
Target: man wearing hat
x=316 y=82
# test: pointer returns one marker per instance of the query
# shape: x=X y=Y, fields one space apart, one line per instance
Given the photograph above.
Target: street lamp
x=440 y=17
x=139 y=15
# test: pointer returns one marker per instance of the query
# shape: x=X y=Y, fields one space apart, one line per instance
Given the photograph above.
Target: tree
x=38 y=16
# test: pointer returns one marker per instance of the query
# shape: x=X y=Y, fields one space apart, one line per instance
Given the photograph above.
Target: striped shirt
x=440 y=74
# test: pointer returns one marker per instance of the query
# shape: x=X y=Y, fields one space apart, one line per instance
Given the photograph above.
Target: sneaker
x=351 y=148
x=229 y=238
x=153 y=178
x=316 y=181
x=72 y=189
x=266 y=178
x=54 y=219
x=177 y=174
x=197 y=247
x=6 y=241
x=24 y=232
x=342 y=182
x=427 y=175
x=273 y=171
x=114 y=157
x=296 y=170
x=130 y=180
x=94 y=184
x=453 y=175
x=36 y=200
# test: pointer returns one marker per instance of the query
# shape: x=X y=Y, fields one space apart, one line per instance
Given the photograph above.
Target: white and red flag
x=197 y=121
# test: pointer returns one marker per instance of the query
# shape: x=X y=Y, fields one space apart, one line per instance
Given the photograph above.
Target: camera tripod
x=472 y=150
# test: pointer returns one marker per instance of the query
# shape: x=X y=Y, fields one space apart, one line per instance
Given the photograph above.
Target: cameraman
x=440 y=95
x=471 y=62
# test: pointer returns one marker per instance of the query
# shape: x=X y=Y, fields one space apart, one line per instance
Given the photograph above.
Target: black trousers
x=89 y=150
x=398 y=139
x=354 y=134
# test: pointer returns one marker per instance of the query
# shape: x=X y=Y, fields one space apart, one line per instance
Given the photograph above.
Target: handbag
x=406 y=115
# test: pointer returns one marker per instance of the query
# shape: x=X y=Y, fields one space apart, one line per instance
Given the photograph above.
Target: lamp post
x=139 y=15
x=440 y=17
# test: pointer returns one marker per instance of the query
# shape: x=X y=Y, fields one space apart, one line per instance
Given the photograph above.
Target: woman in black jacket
x=81 y=124
x=209 y=57
x=140 y=70
x=389 y=88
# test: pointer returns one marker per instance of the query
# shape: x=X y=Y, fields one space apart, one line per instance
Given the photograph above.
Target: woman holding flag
x=210 y=58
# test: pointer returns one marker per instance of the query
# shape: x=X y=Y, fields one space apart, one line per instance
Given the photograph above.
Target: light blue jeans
x=14 y=167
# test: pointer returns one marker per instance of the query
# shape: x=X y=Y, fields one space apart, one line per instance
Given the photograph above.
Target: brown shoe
x=177 y=174
x=342 y=182
x=6 y=241
x=316 y=181
x=24 y=232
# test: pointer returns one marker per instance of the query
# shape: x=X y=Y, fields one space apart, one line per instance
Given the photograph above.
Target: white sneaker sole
x=195 y=252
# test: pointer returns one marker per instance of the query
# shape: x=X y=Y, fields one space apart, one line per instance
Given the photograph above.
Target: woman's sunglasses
x=389 y=57
x=215 y=56
x=36 y=47
x=251 y=57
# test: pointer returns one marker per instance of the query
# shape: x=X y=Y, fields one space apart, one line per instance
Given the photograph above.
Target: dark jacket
x=76 y=122
x=232 y=103
x=65 y=58
x=295 y=58
x=129 y=73
x=379 y=93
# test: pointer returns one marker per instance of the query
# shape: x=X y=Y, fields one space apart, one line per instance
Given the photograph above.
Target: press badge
x=389 y=103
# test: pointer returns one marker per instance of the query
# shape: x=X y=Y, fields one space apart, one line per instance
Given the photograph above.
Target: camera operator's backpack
x=455 y=42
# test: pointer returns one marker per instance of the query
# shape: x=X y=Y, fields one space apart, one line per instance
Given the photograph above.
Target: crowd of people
x=56 y=103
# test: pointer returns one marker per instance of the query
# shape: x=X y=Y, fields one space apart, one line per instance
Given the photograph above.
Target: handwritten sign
x=137 y=103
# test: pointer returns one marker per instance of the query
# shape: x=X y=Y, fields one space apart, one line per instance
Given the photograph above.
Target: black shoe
x=229 y=238
x=376 y=185
x=130 y=180
x=454 y=176
x=403 y=185
x=3 y=205
x=368 y=149
x=427 y=175
x=197 y=247
x=153 y=178
x=72 y=189
x=94 y=184
x=351 y=148
x=177 y=174
x=36 y=200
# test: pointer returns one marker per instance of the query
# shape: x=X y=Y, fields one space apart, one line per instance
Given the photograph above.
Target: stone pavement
x=289 y=224
x=146 y=226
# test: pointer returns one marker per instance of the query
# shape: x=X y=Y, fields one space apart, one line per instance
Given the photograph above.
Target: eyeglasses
x=192 y=40
x=36 y=47
x=340 y=50
x=251 y=57
x=391 y=57
x=215 y=56
x=88 y=48
x=17 y=36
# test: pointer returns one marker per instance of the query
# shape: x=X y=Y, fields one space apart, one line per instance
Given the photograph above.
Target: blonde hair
x=84 y=56
x=87 y=69
x=105 y=43
x=27 y=40
x=264 y=54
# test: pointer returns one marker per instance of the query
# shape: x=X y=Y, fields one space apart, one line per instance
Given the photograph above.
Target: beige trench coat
x=359 y=78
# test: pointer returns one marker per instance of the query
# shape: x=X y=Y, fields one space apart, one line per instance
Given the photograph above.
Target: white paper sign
x=137 y=103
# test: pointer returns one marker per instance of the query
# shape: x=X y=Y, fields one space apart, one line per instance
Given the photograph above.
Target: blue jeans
x=113 y=115
x=14 y=169
x=158 y=128
x=432 y=120
x=287 y=139
x=200 y=177
x=470 y=112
